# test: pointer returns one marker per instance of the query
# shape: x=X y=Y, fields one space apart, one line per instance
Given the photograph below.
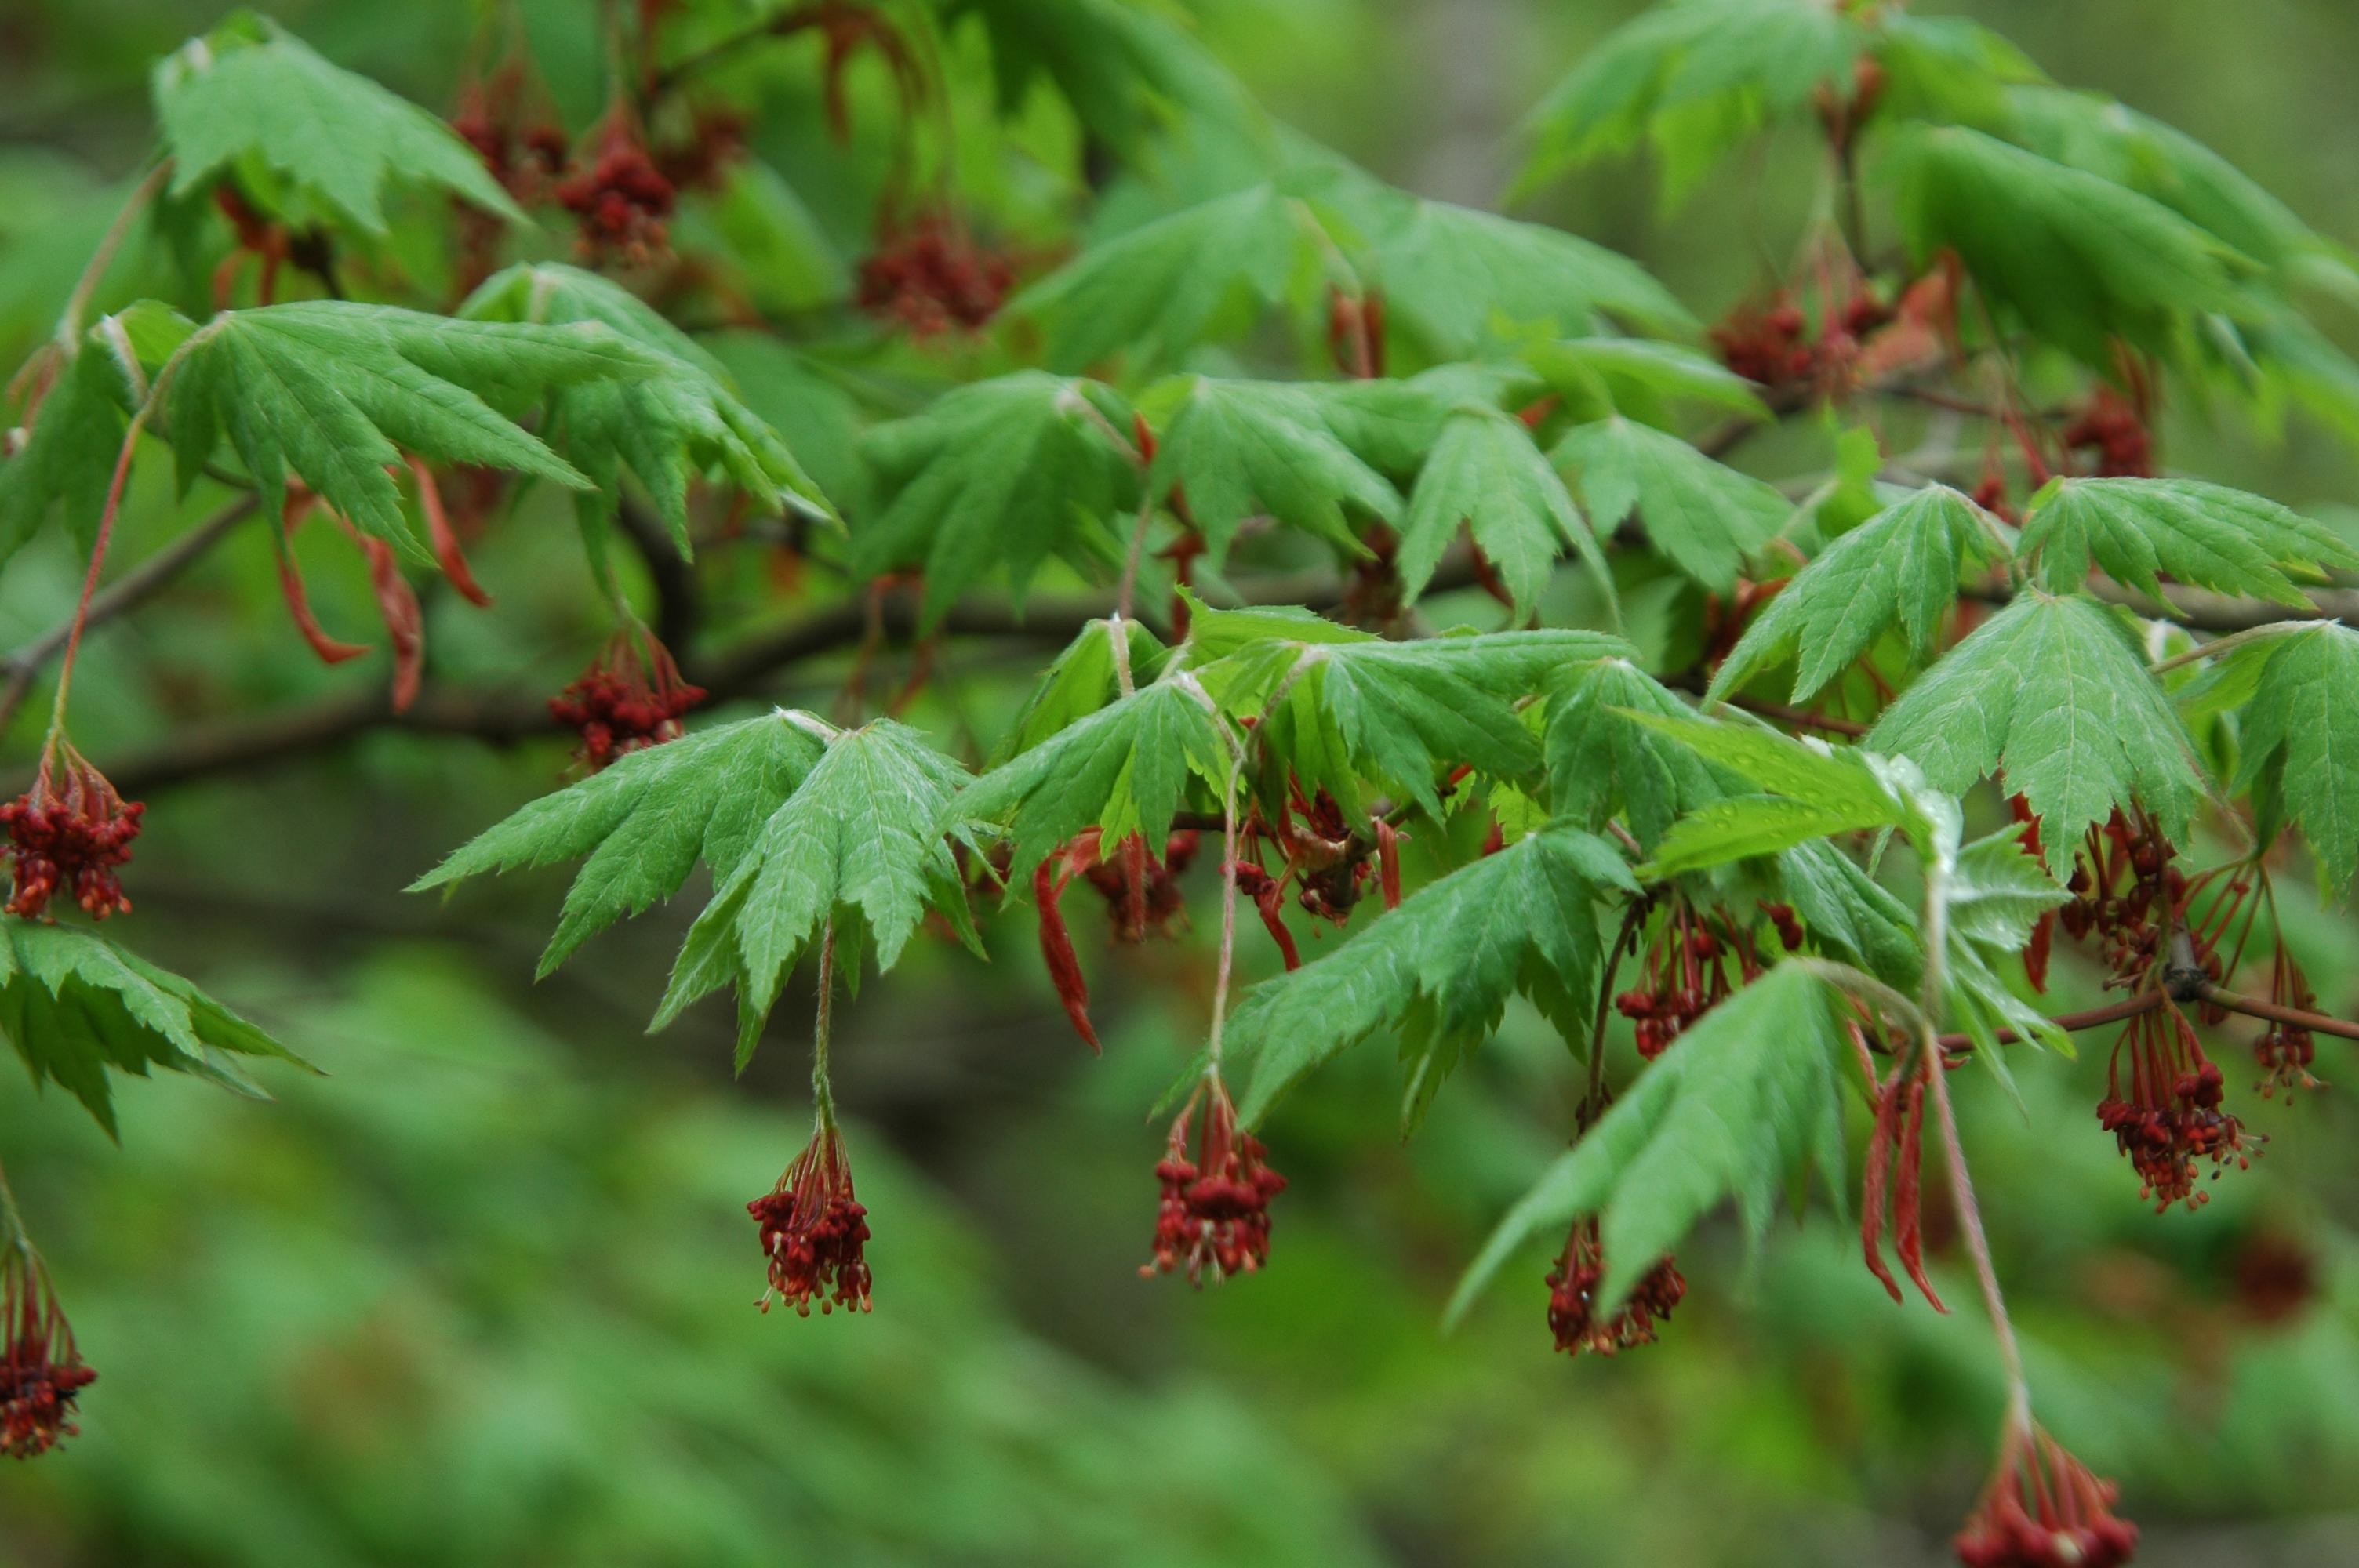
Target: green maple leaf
x=1816 y=790
x=1124 y=769
x=2078 y=259
x=1447 y=271
x=1392 y=425
x=1440 y=968
x=1849 y=914
x=1751 y=1091
x=1243 y=448
x=2301 y=742
x=68 y=457
x=1121 y=70
x=2203 y=533
x=663 y=427
x=1337 y=706
x=1157 y=289
x=1694 y=76
x=1901 y=566
x=1002 y=472
x=2052 y=691
x=1993 y=892
x=301 y=135
x=858 y=849
x=645 y=822
x=1602 y=762
x=333 y=394
x=1484 y=471
x=74 y=1005
x=1701 y=516
x=1638 y=377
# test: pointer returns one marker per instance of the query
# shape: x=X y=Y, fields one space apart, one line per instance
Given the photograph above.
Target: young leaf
x=2078 y=259
x=1008 y=471
x=334 y=394
x=1447 y=271
x=1638 y=377
x=1702 y=515
x=1122 y=770
x=1848 y=914
x=68 y=456
x=858 y=847
x=1080 y=680
x=2203 y=533
x=1246 y=447
x=1993 y=892
x=249 y=96
x=2301 y=729
x=645 y=821
x=1157 y=289
x=1484 y=472
x=1441 y=966
x=664 y=428
x=1820 y=790
x=1901 y=566
x=74 y=1005
x=2052 y=691
x=1750 y=1092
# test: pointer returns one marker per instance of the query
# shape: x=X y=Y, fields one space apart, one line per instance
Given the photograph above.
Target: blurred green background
x=482 y=1295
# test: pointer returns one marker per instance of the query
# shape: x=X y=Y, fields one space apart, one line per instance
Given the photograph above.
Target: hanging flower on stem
x=632 y=697
x=2044 y=1509
x=2169 y=1117
x=813 y=1228
x=1217 y=1187
x=41 y=1373
x=70 y=833
x=1572 y=1286
x=623 y=200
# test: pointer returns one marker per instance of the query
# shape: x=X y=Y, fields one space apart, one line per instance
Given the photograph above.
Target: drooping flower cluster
x=523 y=151
x=2171 y=1118
x=1214 y=1213
x=814 y=1230
x=1572 y=1299
x=1685 y=974
x=627 y=700
x=1142 y=898
x=40 y=1370
x=70 y=833
x=2113 y=429
x=623 y=200
x=932 y=276
x=2285 y=1051
x=2043 y=1508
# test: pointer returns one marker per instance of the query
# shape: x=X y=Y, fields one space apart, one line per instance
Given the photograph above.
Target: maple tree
x=1708 y=763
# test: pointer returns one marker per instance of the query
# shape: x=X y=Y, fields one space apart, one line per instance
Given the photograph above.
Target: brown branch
x=2275 y=1013
x=133 y=589
x=2070 y=1023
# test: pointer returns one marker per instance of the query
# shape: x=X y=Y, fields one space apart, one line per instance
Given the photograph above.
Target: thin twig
x=2275 y=1012
x=1970 y=1224
x=2070 y=1023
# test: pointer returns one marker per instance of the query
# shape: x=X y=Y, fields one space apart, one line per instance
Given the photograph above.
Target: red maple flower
x=69 y=831
x=1685 y=974
x=2171 y=1116
x=623 y=200
x=2286 y=1050
x=40 y=1370
x=814 y=1230
x=2115 y=429
x=1142 y=893
x=1572 y=1299
x=2043 y=1508
x=627 y=700
x=1766 y=343
x=1214 y=1213
x=932 y=276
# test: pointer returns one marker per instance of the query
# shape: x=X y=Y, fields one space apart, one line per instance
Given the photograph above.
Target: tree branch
x=133 y=589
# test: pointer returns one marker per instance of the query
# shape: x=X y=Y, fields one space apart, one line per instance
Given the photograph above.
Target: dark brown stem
x=2072 y=1022
x=2275 y=1012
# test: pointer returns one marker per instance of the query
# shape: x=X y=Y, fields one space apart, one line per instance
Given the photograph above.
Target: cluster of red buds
x=2115 y=429
x=2171 y=1118
x=1990 y=493
x=1894 y=1178
x=1685 y=973
x=2122 y=879
x=930 y=276
x=69 y=832
x=1772 y=344
x=1572 y=1299
x=627 y=700
x=2286 y=1050
x=623 y=200
x=1143 y=899
x=2043 y=1508
x=1326 y=866
x=715 y=139
x=814 y=1230
x=1215 y=1212
x=40 y=1370
x=525 y=152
